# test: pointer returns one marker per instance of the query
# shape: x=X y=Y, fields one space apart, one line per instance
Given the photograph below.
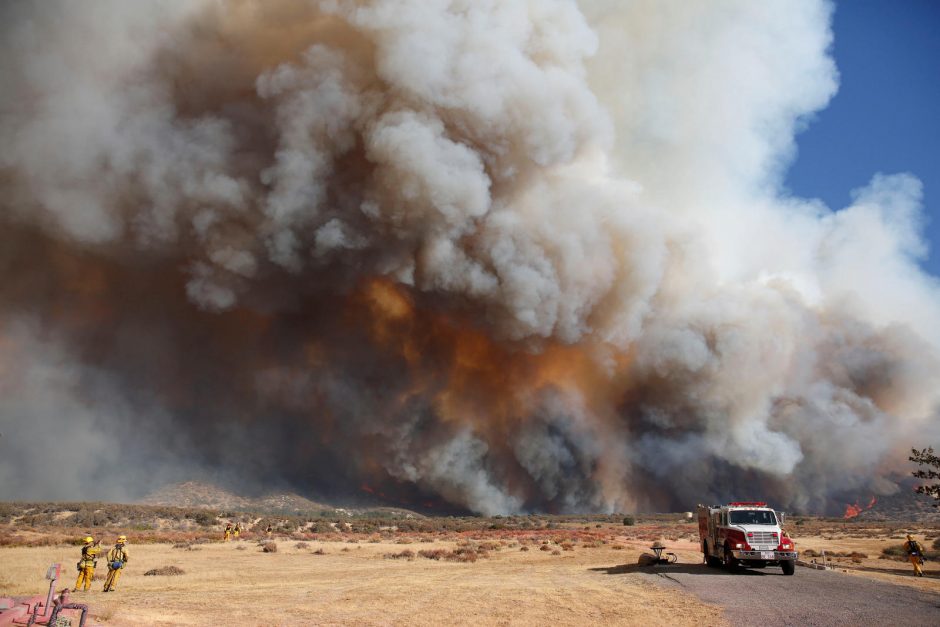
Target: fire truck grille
x=762 y=538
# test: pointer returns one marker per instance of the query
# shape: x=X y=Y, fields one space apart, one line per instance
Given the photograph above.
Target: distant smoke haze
x=505 y=256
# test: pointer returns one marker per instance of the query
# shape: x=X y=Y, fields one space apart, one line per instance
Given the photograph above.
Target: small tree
x=927 y=458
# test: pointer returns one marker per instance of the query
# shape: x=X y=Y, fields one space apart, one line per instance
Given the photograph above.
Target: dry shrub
x=301 y=545
x=463 y=555
x=345 y=549
x=240 y=547
x=567 y=546
x=523 y=548
x=322 y=552
x=617 y=547
x=545 y=547
x=810 y=553
x=407 y=554
x=269 y=547
x=894 y=552
x=556 y=552
x=165 y=570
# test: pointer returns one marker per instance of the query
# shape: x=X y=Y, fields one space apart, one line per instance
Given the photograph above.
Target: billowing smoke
x=488 y=254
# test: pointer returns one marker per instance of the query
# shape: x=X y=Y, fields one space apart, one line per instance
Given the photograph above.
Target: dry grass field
x=860 y=552
x=360 y=583
x=392 y=569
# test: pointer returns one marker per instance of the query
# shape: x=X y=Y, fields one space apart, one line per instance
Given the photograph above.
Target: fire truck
x=745 y=533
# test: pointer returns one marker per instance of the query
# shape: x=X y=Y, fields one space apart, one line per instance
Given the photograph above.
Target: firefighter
x=228 y=532
x=86 y=565
x=237 y=530
x=268 y=531
x=915 y=553
x=117 y=558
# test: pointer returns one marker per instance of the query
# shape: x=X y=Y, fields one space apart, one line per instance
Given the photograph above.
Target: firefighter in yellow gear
x=915 y=553
x=86 y=565
x=117 y=558
x=228 y=532
x=237 y=530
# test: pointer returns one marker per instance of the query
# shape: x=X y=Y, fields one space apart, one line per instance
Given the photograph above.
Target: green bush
x=895 y=551
x=204 y=519
x=629 y=521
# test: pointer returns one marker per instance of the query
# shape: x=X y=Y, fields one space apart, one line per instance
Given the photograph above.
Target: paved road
x=767 y=598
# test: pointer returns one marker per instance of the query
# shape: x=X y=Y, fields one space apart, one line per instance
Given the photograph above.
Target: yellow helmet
x=89 y=539
x=122 y=539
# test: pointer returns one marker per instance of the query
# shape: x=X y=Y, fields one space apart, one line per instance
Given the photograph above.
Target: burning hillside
x=502 y=256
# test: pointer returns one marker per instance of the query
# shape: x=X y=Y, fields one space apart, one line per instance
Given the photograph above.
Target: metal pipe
x=53 y=575
x=69 y=606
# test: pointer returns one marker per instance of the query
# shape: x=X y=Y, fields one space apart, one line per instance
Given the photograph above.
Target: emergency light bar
x=747 y=504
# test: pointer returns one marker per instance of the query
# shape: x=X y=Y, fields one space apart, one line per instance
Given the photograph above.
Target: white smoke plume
x=496 y=255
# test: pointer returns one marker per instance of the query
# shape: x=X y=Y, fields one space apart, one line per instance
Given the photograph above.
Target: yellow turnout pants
x=111 y=581
x=84 y=577
x=915 y=560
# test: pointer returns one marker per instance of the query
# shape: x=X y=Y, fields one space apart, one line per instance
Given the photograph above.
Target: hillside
x=208 y=496
x=903 y=506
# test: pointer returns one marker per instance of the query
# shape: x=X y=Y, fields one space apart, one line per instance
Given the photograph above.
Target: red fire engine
x=745 y=533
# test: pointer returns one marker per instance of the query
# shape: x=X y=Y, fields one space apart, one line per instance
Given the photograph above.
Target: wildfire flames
x=483 y=256
x=853 y=510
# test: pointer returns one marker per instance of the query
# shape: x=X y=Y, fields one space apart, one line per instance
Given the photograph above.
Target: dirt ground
x=353 y=583
x=872 y=567
x=568 y=574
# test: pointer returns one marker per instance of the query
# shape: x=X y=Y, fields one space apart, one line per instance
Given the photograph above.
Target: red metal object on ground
x=39 y=610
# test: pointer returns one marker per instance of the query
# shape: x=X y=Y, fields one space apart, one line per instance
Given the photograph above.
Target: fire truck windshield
x=752 y=517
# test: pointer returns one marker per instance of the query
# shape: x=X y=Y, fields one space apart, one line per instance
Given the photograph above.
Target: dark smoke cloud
x=500 y=256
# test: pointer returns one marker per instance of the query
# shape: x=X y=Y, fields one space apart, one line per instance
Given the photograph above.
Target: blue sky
x=886 y=115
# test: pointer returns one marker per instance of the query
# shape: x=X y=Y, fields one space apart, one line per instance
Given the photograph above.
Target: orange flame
x=853 y=510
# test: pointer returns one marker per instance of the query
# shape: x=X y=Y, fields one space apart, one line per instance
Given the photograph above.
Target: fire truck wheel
x=789 y=567
x=711 y=562
x=730 y=562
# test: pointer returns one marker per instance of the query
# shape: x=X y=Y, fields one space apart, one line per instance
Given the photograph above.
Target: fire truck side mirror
x=782 y=516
